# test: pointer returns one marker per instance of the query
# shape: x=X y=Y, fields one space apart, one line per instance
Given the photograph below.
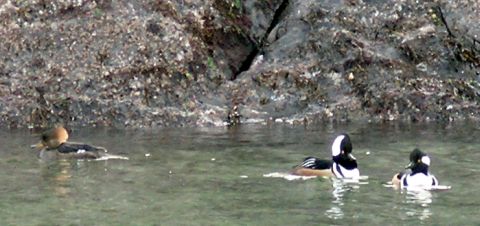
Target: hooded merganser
x=419 y=175
x=55 y=141
x=342 y=165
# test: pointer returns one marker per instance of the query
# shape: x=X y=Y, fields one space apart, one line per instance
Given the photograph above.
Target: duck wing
x=315 y=163
x=74 y=147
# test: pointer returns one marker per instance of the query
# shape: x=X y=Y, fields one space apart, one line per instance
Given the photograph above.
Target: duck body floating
x=54 y=143
x=342 y=165
x=417 y=174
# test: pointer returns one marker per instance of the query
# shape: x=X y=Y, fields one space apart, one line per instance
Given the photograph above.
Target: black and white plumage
x=342 y=165
x=78 y=148
x=419 y=175
x=314 y=163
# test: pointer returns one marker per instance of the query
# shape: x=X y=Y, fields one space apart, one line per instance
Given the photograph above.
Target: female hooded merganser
x=55 y=141
x=419 y=175
x=342 y=165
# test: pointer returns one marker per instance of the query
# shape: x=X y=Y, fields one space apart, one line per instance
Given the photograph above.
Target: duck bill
x=410 y=165
x=350 y=156
x=37 y=146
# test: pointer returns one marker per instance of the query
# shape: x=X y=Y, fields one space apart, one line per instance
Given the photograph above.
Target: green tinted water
x=214 y=176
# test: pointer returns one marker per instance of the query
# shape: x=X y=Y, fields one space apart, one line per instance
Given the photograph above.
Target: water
x=214 y=176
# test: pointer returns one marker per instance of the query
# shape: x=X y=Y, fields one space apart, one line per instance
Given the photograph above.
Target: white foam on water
x=429 y=188
x=389 y=184
x=287 y=176
x=107 y=157
x=357 y=180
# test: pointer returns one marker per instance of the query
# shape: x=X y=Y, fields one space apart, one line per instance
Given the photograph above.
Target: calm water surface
x=214 y=176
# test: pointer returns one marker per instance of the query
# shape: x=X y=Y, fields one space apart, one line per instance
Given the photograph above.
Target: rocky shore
x=155 y=63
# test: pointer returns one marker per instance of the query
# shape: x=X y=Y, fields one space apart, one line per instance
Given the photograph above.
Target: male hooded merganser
x=419 y=175
x=342 y=165
x=55 y=141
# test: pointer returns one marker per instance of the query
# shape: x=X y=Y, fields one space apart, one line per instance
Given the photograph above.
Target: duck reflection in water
x=421 y=200
x=57 y=175
x=340 y=188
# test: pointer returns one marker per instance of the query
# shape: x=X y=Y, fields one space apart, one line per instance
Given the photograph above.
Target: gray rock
x=177 y=63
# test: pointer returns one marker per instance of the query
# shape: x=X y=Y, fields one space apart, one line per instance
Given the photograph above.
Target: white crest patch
x=336 y=145
x=426 y=160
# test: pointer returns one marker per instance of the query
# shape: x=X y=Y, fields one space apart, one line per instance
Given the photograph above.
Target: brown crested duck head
x=54 y=137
